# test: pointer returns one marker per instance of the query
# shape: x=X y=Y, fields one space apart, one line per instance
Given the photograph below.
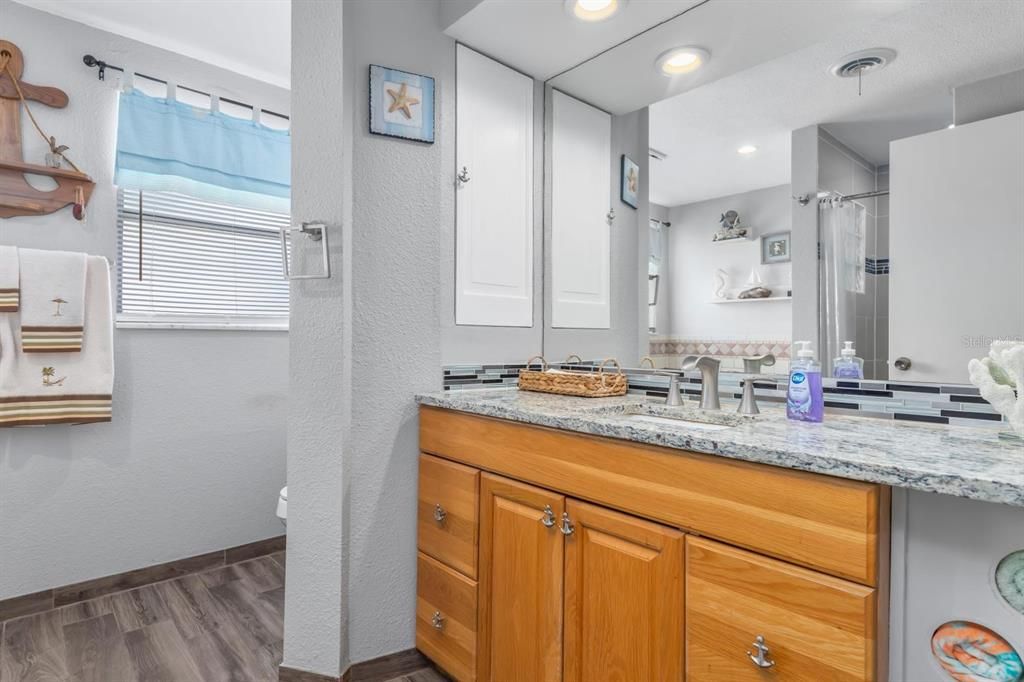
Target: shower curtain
x=842 y=239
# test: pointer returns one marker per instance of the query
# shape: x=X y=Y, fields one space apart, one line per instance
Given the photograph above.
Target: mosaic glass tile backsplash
x=935 y=403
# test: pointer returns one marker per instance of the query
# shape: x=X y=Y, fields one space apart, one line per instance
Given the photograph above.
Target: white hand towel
x=8 y=279
x=62 y=389
x=52 y=301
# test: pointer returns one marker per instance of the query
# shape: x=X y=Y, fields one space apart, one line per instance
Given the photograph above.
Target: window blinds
x=192 y=258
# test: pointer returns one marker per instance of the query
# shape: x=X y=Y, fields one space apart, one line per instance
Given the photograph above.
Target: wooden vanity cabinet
x=569 y=581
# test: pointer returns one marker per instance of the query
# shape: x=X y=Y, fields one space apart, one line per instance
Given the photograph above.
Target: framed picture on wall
x=401 y=104
x=775 y=248
x=630 y=190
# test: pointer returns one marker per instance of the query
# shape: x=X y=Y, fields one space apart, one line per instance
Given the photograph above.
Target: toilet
x=282 y=505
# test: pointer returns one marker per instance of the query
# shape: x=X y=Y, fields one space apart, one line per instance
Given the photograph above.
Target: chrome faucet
x=708 y=367
x=753 y=364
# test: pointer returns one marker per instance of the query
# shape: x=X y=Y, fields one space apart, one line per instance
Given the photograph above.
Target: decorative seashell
x=756 y=292
x=1010 y=579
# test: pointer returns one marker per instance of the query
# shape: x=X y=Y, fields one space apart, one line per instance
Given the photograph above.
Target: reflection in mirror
x=771 y=166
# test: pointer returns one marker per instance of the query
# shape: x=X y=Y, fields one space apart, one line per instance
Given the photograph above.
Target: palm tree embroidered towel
x=52 y=301
x=69 y=388
x=8 y=279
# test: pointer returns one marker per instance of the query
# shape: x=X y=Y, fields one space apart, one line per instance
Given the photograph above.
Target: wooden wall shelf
x=17 y=197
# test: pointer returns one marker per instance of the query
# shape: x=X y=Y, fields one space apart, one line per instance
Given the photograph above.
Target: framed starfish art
x=401 y=104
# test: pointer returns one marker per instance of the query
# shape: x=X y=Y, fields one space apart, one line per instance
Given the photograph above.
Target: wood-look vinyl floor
x=224 y=625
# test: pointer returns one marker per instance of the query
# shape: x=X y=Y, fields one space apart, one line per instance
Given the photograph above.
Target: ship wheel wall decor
x=17 y=197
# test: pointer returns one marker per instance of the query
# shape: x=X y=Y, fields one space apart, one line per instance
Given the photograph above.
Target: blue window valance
x=165 y=145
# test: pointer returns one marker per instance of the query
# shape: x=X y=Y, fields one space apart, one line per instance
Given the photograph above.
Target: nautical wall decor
x=401 y=104
x=969 y=652
x=1010 y=579
x=17 y=197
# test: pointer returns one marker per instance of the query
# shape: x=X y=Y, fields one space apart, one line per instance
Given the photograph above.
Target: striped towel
x=8 y=279
x=69 y=388
x=52 y=301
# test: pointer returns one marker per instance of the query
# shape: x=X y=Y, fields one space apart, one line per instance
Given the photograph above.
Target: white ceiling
x=940 y=45
x=739 y=34
x=250 y=37
x=540 y=39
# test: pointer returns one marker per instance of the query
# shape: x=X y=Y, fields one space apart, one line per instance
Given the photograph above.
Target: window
x=187 y=262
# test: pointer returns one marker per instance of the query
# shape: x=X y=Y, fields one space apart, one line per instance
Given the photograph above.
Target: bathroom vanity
x=575 y=539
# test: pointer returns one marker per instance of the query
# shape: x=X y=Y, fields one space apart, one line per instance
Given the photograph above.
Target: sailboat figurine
x=17 y=197
x=757 y=288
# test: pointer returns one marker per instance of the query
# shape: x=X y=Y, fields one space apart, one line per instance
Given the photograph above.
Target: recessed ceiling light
x=747 y=149
x=593 y=10
x=951 y=126
x=681 y=60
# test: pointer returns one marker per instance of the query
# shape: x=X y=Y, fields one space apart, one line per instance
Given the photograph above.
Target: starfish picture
x=401 y=101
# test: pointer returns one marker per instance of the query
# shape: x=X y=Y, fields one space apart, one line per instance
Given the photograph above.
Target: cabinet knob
x=549 y=517
x=567 y=527
x=437 y=620
x=439 y=513
x=902 y=363
x=463 y=175
x=761 y=658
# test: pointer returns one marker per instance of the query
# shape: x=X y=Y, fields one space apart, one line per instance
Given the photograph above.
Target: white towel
x=37 y=388
x=52 y=301
x=8 y=279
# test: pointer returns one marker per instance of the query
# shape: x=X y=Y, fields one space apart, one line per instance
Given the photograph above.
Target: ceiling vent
x=860 y=63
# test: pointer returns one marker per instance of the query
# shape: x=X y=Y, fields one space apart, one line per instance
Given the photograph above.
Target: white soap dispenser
x=848 y=365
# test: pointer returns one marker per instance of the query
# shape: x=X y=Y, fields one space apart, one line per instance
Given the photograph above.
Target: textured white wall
x=319 y=405
x=693 y=259
x=364 y=342
x=196 y=453
x=403 y=194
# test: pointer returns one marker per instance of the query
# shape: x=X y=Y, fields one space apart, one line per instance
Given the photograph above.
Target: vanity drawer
x=816 y=627
x=446 y=618
x=449 y=513
x=825 y=523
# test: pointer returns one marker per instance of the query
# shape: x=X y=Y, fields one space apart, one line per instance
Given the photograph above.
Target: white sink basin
x=672 y=421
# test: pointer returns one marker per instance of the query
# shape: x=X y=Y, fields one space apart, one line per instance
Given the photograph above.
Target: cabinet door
x=815 y=627
x=623 y=598
x=580 y=201
x=494 y=198
x=520 y=623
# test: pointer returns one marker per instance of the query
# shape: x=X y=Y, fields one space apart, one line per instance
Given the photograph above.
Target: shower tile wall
x=843 y=170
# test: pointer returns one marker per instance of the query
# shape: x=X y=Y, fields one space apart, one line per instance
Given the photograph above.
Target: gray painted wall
x=626 y=340
x=364 y=342
x=196 y=453
x=991 y=97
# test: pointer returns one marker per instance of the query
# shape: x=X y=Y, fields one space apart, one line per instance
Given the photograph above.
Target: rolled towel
x=9 y=279
x=52 y=301
x=74 y=388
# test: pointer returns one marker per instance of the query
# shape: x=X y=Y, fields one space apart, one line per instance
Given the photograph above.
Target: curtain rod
x=102 y=67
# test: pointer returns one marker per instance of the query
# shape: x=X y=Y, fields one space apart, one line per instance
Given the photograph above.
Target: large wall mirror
x=851 y=174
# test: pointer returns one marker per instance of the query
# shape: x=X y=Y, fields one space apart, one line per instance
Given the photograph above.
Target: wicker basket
x=590 y=384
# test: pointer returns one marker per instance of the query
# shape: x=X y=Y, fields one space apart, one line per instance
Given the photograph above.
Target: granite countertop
x=954 y=460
